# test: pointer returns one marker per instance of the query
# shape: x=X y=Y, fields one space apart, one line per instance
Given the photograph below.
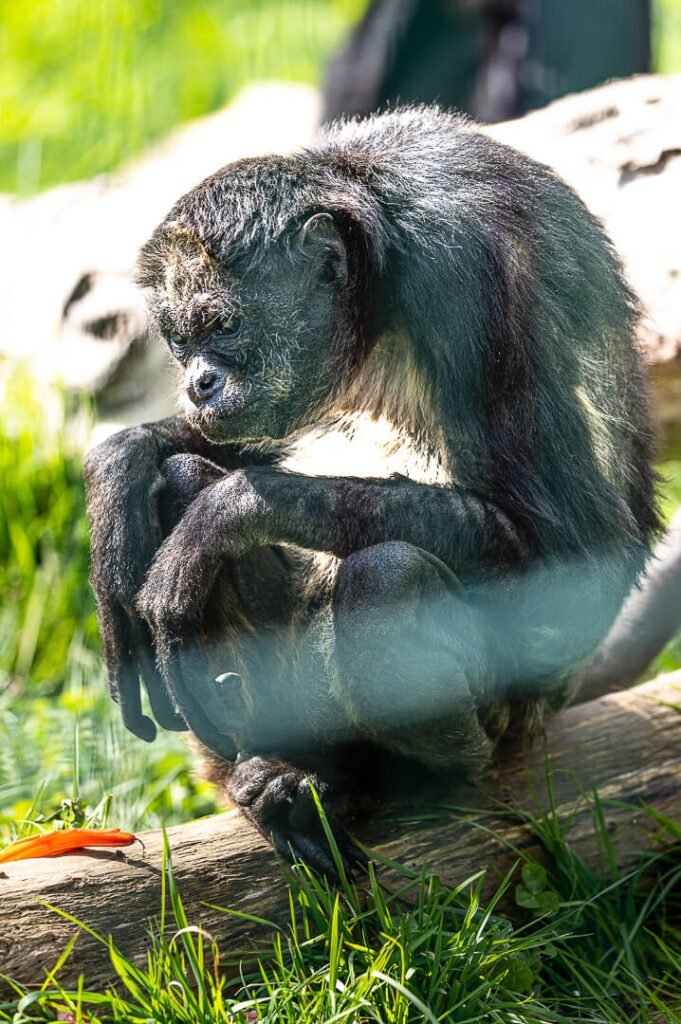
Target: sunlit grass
x=605 y=949
x=667 y=35
x=46 y=605
x=73 y=746
x=59 y=731
x=84 y=86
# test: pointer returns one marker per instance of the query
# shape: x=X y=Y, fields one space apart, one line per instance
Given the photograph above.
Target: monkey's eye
x=229 y=328
x=178 y=345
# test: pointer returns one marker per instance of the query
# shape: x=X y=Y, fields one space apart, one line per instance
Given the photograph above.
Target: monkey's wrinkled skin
x=412 y=484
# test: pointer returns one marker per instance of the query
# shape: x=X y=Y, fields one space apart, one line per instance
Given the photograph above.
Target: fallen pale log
x=627 y=744
x=618 y=145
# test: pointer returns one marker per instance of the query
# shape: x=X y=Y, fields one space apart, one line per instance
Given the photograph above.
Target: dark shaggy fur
x=412 y=296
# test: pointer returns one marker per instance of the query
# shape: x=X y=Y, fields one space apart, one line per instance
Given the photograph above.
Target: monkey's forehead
x=178 y=268
x=235 y=214
x=190 y=302
x=188 y=288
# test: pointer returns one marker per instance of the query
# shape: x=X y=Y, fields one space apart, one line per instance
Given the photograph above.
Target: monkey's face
x=263 y=344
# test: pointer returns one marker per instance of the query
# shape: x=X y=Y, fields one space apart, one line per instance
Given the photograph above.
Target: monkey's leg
x=414 y=657
x=406 y=657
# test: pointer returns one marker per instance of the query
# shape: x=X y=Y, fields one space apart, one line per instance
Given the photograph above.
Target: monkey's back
x=541 y=364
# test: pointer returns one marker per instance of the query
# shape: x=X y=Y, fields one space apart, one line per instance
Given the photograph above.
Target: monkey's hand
x=276 y=797
x=224 y=520
x=177 y=589
x=123 y=482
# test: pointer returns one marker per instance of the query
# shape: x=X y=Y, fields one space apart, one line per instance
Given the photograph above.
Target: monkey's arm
x=257 y=506
x=123 y=481
x=345 y=514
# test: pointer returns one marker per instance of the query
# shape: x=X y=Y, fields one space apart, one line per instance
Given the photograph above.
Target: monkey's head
x=254 y=292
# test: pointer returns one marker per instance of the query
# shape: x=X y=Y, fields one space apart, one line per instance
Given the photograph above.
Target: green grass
x=85 y=86
x=59 y=732
x=601 y=949
x=667 y=35
x=46 y=608
x=73 y=746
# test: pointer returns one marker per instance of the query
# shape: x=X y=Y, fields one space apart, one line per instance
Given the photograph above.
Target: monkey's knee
x=185 y=476
x=411 y=652
x=405 y=633
x=393 y=584
x=391 y=571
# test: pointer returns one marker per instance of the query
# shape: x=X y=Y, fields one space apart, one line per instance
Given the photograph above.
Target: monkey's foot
x=276 y=797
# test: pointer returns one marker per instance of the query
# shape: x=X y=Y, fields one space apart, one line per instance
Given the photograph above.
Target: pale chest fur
x=363 y=446
x=356 y=445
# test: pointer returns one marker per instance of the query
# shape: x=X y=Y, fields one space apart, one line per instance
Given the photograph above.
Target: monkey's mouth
x=211 y=422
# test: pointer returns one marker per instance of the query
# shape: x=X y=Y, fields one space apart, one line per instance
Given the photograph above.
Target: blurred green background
x=84 y=86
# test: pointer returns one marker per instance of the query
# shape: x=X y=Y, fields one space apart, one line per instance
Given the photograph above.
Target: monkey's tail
x=648 y=620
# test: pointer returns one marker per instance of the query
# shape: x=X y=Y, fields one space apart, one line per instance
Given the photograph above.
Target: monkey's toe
x=277 y=798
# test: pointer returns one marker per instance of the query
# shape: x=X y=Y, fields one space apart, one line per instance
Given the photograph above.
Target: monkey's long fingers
x=294 y=846
x=161 y=704
x=122 y=669
x=175 y=670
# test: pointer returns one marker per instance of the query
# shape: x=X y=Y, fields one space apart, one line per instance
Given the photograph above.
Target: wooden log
x=627 y=744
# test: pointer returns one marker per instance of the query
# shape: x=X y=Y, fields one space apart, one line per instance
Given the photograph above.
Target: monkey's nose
x=203 y=386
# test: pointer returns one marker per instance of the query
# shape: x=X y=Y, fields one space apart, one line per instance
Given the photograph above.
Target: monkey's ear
x=319 y=240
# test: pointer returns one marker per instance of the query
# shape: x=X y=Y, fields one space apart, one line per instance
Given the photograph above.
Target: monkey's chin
x=224 y=425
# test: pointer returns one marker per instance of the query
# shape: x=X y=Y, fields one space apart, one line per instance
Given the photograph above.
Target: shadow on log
x=628 y=745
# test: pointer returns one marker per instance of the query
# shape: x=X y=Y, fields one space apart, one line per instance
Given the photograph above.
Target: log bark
x=627 y=744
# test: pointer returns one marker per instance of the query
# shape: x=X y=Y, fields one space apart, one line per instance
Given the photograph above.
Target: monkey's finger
x=131 y=706
x=188 y=706
x=353 y=856
x=298 y=846
x=161 y=705
x=315 y=851
x=162 y=708
x=122 y=670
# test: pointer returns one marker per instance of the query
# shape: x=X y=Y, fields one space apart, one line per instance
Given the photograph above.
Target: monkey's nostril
x=204 y=385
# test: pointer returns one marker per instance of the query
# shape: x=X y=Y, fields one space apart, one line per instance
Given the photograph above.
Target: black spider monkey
x=412 y=485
